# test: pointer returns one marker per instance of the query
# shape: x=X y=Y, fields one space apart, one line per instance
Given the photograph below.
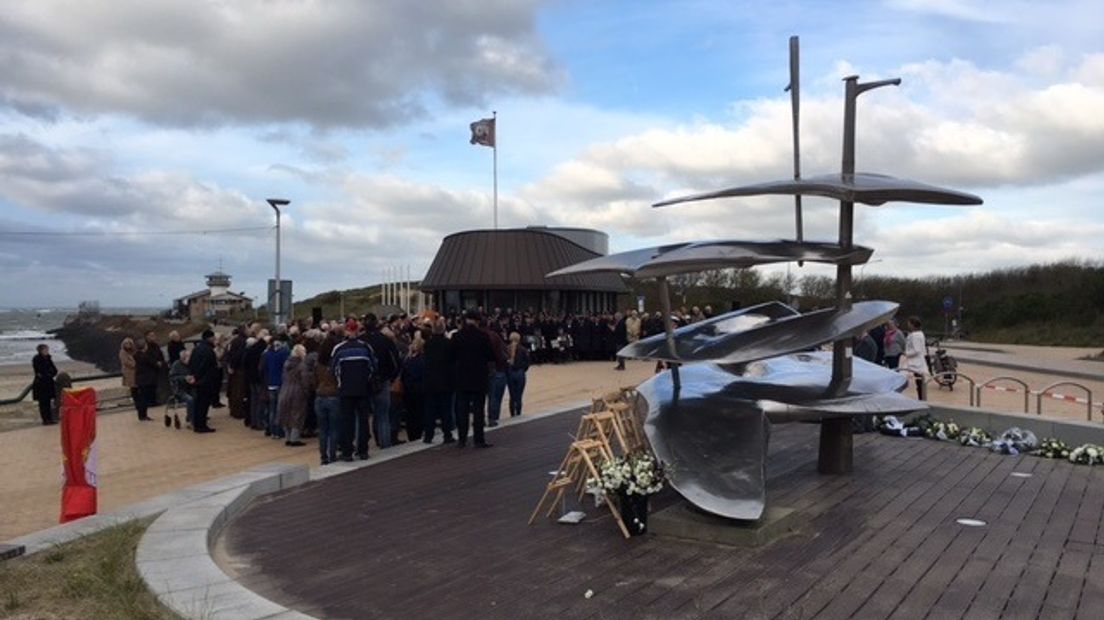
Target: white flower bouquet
x=1088 y=454
x=637 y=474
x=942 y=430
x=974 y=436
x=1051 y=448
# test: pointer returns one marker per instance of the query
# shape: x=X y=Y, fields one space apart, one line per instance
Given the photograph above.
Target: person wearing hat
x=354 y=365
x=472 y=364
x=207 y=378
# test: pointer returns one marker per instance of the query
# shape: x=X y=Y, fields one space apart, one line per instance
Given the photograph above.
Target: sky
x=128 y=127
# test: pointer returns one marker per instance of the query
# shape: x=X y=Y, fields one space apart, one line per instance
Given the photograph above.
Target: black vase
x=634 y=512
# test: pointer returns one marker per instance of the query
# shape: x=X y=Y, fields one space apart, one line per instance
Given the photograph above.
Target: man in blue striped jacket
x=354 y=365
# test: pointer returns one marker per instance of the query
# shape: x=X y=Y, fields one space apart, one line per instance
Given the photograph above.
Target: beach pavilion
x=506 y=269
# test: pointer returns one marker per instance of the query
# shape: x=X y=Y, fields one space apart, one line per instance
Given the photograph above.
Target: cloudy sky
x=125 y=120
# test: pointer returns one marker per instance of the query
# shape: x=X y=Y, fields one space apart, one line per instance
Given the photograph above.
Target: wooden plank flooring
x=442 y=534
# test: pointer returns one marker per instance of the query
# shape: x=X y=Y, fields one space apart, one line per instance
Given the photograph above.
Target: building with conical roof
x=506 y=268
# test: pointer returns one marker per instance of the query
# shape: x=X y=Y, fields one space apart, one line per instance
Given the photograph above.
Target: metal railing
x=954 y=374
x=1026 y=390
x=1046 y=392
x=975 y=390
x=27 y=390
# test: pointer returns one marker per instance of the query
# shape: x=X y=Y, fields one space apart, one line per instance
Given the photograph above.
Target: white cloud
x=1045 y=61
x=350 y=63
x=959 y=9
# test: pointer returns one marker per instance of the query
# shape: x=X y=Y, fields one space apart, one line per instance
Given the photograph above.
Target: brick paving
x=443 y=533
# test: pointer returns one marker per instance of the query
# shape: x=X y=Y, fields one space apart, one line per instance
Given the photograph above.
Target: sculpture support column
x=836 y=442
x=835 y=435
x=669 y=328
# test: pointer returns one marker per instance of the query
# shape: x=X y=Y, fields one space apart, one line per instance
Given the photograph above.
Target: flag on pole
x=483 y=132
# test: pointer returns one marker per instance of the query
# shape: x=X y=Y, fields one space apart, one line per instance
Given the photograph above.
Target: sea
x=23 y=329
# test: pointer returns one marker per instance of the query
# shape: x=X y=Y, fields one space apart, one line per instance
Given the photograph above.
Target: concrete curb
x=174 y=555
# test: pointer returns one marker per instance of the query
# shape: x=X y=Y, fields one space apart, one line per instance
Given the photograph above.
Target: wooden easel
x=602 y=426
x=577 y=466
x=612 y=422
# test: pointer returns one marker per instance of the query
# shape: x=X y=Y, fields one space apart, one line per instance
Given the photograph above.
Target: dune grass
x=93 y=578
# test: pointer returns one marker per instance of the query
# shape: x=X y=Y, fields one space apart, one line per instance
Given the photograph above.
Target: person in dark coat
x=438 y=384
x=145 y=378
x=153 y=350
x=497 y=385
x=413 y=393
x=518 y=360
x=388 y=369
x=472 y=363
x=354 y=365
x=878 y=334
x=176 y=346
x=620 y=338
x=866 y=348
x=206 y=377
x=255 y=381
x=43 y=387
x=237 y=391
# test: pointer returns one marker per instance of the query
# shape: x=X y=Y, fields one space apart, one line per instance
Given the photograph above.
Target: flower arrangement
x=636 y=474
x=890 y=425
x=1014 y=441
x=1051 y=448
x=923 y=422
x=974 y=436
x=942 y=430
x=1088 y=454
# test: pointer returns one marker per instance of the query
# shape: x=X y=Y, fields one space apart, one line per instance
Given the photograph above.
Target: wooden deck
x=442 y=534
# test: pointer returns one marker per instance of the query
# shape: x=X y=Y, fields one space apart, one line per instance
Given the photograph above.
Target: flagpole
x=494 y=115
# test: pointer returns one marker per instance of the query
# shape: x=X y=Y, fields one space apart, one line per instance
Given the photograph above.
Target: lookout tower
x=218 y=283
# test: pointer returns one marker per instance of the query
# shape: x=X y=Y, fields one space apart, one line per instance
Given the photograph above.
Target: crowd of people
x=345 y=382
x=564 y=337
x=351 y=380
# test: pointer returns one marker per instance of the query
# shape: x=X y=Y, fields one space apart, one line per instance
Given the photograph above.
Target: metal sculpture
x=730 y=377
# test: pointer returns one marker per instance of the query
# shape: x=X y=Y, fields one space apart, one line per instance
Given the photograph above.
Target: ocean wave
x=26 y=334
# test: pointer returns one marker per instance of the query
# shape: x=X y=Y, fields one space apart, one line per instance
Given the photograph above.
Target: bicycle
x=942 y=365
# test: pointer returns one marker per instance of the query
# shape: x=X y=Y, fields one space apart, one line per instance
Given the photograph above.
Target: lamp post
x=278 y=310
x=862 y=277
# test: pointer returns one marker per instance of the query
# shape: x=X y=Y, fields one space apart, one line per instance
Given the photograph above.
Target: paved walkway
x=1066 y=361
x=138 y=461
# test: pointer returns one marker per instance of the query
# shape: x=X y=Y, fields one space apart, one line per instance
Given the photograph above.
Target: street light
x=862 y=271
x=278 y=310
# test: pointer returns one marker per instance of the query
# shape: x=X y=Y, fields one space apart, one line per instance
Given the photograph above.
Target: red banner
x=78 y=453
